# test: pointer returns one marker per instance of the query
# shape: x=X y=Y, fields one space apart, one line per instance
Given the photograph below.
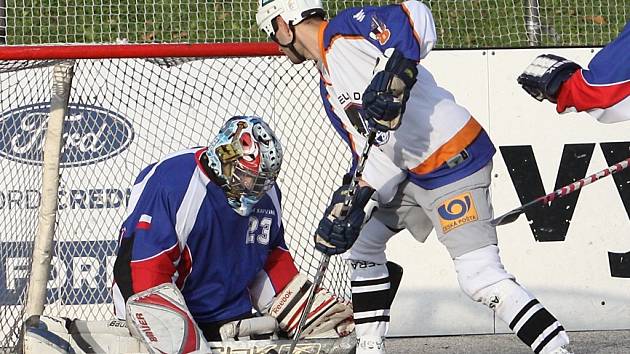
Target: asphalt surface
x=590 y=342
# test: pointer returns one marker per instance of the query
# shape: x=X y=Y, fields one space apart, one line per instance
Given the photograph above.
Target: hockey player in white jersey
x=430 y=168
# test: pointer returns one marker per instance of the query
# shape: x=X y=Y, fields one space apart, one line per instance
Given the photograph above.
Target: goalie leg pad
x=264 y=325
x=482 y=277
x=159 y=317
x=62 y=335
x=327 y=313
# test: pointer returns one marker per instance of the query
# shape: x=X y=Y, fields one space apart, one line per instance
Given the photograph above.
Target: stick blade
x=344 y=345
x=507 y=218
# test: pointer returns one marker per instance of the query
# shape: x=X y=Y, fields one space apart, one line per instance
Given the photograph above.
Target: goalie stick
x=325 y=260
x=512 y=215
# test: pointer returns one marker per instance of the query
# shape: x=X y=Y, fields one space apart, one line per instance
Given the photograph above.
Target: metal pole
x=532 y=22
x=3 y=22
x=43 y=246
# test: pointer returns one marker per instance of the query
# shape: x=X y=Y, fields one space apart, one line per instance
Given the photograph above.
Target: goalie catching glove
x=336 y=235
x=544 y=76
x=386 y=96
x=327 y=313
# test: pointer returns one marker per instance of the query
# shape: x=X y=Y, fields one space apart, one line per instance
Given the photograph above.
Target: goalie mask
x=245 y=159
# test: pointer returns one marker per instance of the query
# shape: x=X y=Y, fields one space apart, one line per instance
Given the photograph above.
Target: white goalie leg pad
x=264 y=325
x=43 y=334
x=327 y=313
x=62 y=335
x=481 y=276
x=159 y=317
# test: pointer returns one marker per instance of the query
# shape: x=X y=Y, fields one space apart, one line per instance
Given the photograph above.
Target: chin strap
x=291 y=46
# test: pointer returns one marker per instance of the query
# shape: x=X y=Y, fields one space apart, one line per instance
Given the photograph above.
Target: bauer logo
x=457 y=211
x=90 y=134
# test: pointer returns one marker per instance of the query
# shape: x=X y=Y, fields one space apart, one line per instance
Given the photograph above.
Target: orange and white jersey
x=438 y=141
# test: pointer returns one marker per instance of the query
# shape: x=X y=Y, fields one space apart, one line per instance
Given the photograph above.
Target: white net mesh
x=461 y=23
x=124 y=115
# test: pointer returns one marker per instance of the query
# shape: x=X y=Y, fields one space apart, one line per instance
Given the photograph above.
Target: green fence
x=460 y=23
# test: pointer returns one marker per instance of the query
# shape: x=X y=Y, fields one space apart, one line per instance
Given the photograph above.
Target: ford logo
x=90 y=134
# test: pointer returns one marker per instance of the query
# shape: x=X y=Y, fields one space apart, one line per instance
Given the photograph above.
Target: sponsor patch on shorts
x=457 y=211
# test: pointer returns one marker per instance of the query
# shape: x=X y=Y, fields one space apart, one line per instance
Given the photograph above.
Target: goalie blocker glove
x=386 y=96
x=327 y=313
x=335 y=235
x=544 y=76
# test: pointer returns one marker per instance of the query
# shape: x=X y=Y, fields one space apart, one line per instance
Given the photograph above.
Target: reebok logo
x=283 y=300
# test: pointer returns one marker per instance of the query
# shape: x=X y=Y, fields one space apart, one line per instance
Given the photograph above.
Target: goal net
x=122 y=115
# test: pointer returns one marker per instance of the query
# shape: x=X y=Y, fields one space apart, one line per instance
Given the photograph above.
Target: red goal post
x=127 y=106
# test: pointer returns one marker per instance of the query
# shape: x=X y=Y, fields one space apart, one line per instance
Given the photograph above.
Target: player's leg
x=482 y=277
x=374 y=280
x=461 y=213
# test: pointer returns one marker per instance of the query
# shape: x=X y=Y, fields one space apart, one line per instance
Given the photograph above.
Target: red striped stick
x=559 y=193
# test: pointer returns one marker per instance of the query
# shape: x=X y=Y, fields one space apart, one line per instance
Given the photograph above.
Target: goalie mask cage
x=122 y=115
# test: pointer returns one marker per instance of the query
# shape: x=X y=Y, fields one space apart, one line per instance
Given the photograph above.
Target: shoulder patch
x=359 y=16
x=379 y=31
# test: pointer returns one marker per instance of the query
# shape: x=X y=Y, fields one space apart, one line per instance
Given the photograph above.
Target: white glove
x=327 y=313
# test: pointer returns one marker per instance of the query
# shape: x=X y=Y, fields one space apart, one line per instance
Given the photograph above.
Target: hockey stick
x=512 y=215
x=325 y=260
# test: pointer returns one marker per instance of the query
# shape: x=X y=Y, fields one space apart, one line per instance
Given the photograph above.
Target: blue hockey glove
x=335 y=236
x=385 y=98
x=544 y=76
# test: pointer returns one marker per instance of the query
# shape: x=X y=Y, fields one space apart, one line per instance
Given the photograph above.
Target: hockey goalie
x=202 y=258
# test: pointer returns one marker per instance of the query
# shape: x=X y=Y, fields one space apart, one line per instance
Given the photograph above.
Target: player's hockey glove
x=544 y=76
x=385 y=98
x=336 y=235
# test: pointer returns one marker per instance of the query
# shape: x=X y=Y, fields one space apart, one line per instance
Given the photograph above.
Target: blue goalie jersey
x=179 y=228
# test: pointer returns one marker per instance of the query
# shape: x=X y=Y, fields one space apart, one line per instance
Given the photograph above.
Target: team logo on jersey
x=457 y=211
x=381 y=138
x=379 y=32
x=359 y=16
